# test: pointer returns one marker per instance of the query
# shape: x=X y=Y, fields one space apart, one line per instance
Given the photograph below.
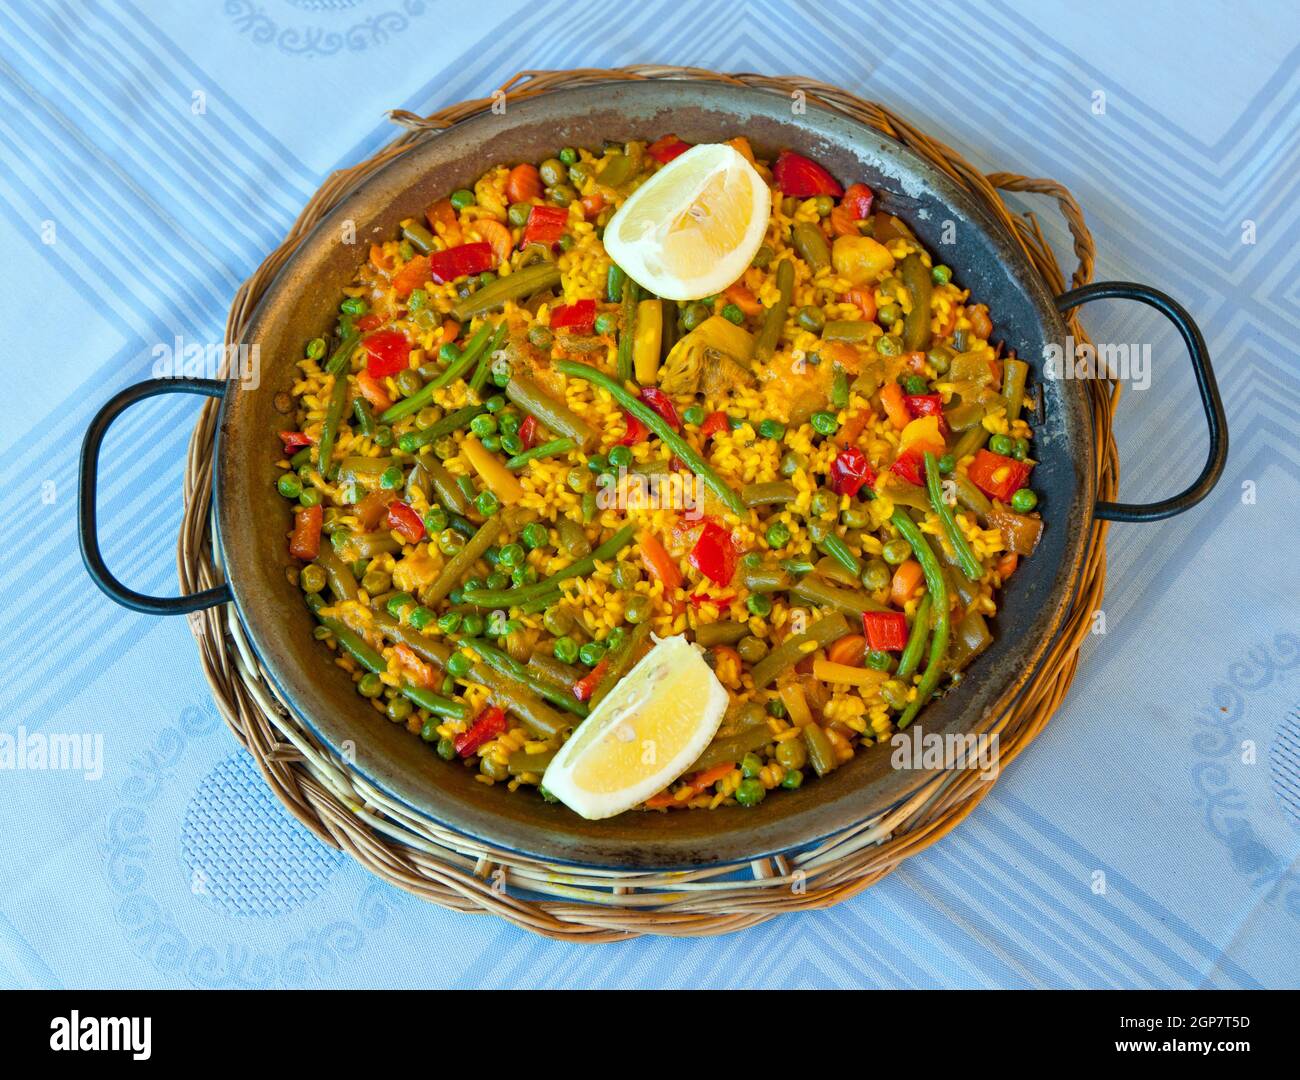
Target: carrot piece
x=1006 y=565
x=498 y=236
x=658 y=561
x=444 y=214
x=741 y=145
x=411 y=276
x=378 y=259
x=592 y=205
x=523 y=184
x=450 y=328
x=373 y=391
x=843 y=223
x=416 y=669
x=893 y=399
x=849 y=650
x=743 y=299
x=866 y=301
x=852 y=427
x=698 y=783
x=907 y=579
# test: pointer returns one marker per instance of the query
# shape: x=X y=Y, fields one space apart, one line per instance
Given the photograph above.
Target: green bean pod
x=551 y=414
x=444 y=485
x=821 y=754
x=810 y=243
x=769 y=334
x=417 y=401
x=539 y=453
x=970 y=565
x=910 y=658
x=515 y=597
x=825 y=630
x=722 y=632
x=938 y=589
x=916 y=324
x=766 y=578
x=732 y=748
x=627 y=329
x=855 y=331
x=769 y=493
x=454 y=421
x=1014 y=374
x=621 y=661
x=819 y=594
x=524 y=282
x=459 y=564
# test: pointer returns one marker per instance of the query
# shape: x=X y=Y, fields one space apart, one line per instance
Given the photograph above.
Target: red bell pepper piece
x=715 y=423
x=528 y=432
x=636 y=431
x=859 y=198
x=545 y=225
x=456 y=262
x=387 y=353
x=714 y=554
x=850 y=471
x=886 y=630
x=998 y=476
x=490 y=723
x=927 y=405
x=294 y=440
x=369 y=322
x=405 y=521
x=667 y=147
x=586 y=686
x=699 y=599
x=304 y=541
x=663 y=405
x=802 y=177
x=910 y=466
x=577 y=318
x=411 y=276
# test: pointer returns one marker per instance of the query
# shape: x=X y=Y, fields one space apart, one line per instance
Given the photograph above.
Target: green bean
x=722 y=632
x=840 y=390
x=911 y=655
x=508 y=665
x=833 y=570
x=765 y=578
x=1014 y=373
x=627 y=329
x=838 y=550
x=514 y=694
x=793 y=649
x=444 y=485
x=453 y=421
x=483 y=368
x=355 y=646
x=970 y=566
x=521 y=762
x=769 y=334
x=420 y=237
x=521 y=283
x=342 y=582
x=851 y=330
x=365 y=418
x=919 y=284
x=774 y=491
x=417 y=401
x=353 y=468
x=621 y=661
x=368 y=545
x=573 y=538
x=810 y=242
x=614 y=279
x=554 y=671
x=971 y=440
x=819 y=594
x=459 y=564
x=337 y=365
x=821 y=754
x=551 y=414
x=656 y=423
x=732 y=748
x=965 y=416
x=938 y=588
x=973 y=499
x=537 y=453
x=514 y=597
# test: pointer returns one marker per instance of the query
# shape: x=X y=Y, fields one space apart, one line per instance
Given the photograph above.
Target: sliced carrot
x=450 y=328
x=442 y=213
x=523 y=184
x=1007 y=565
x=698 y=783
x=592 y=205
x=853 y=426
x=865 y=300
x=373 y=391
x=741 y=145
x=411 y=276
x=658 y=561
x=416 y=669
x=498 y=236
x=849 y=650
x=378 y=259
x=743 y=299
x=907 y=579
x=842 y=221
x=892 y=398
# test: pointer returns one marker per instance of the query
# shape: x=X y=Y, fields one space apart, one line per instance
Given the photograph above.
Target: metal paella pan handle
x=87 y=526
x=1205 y=383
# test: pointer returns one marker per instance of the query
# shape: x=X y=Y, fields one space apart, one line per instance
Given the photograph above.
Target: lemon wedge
x=646 y=732
x=693 y=227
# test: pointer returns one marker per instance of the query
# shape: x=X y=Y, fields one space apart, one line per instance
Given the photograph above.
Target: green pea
x=940 y=358
x=620 y=456
x=822 y=502
x=376 y=582
x=448 y=353
x=897 y=551
x=695 y=314
x=409 y=382
x=446 y=748
x=778 y=534
x=557 y=621
x=399 y=709
x=694 y=415
x=824 y=423
x=759 y=604
x=518 y=213
x=491 y=443
x=289 y=485
x=914 y=384
x=887 y=345
x=812 y=319
x=561 y=195
x=534 y=535
x=316 y=348
x=435 y=520
x=509 y=423
x=792 y=463
x=605 y=323
x=733 y=314
x=311 y=578
x=597 y=463
x=421 y=617
x=578 y=174
x=450 y=622
x=940 y=274
x=626 y=575
x=483 y=425
x=309 y=497
x=762 y=257
x=445 y=449
x=354 y=305
x=486 y=503
x=894 y=693
x=879 y=660
x=771 y=429
x=592 y=653
x=1023 y=501
x=775 y=707
x=485 y=278
x=1002 y=444
x=498 y=579
x=792 y=754
x=751 y=765
x=568 y=155
x=793 y=779
x=398 y=602
x=876 y=574
x=371 y=685
x=751 y=649
x=553 y=171
x=391 y=478
x=461 y=198
x=565 y=649
x=637 y=609
x=450 y=541
x=1020 y=450
x=824 y=204
x=888 y=314
x=751 y=792
x=854 y=517
x=512 y=555
x=459 y=664
x=472 y=623
x=578 y=479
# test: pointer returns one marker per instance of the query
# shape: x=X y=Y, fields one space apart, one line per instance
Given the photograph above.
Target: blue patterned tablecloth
x=154 y=152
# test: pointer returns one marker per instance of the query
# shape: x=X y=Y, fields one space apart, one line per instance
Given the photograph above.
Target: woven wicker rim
x=595 y=905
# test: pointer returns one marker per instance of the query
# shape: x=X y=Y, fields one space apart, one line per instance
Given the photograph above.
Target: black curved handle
x=88 y=531
x=1172 y=310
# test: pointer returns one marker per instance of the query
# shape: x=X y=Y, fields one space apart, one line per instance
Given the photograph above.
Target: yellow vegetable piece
x=492 y=471
x=792 y=697
x=851 y=676
x=648 y=340
x=924 y=432
x=860 y=259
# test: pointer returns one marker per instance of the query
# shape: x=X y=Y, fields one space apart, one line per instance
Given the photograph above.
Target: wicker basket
x=595 y=905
